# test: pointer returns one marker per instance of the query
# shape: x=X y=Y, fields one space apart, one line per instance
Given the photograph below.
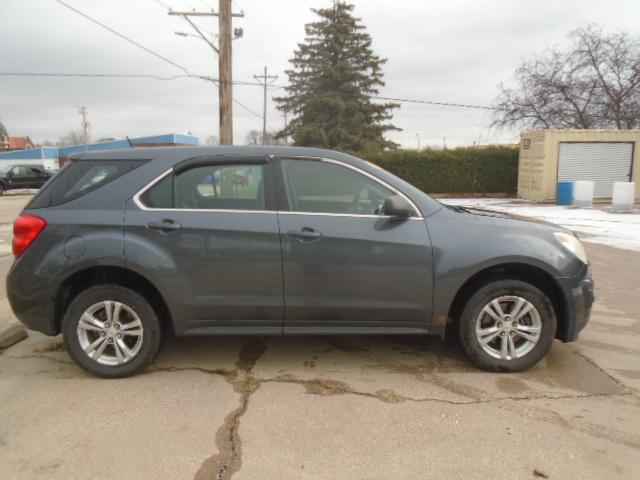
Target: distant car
x=13 y=177
x=122 y=245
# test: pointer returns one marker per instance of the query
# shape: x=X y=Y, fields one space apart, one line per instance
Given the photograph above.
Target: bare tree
x=254 y=137
x=593 y=84
x=211 y=141
x=72 y=137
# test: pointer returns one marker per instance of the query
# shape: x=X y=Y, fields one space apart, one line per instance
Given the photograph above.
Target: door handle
x=306 y=234
x=165 y=226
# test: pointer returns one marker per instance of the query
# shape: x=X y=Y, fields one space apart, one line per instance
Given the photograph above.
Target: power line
x=216 y=80
x=148 y=50
x=207 y=78
x=250 y=29
x=99 y=75
x=124 y=37
x=431 y=102
x=224 y=53
x=162 y=4
x=411 y=100
x=168 y=8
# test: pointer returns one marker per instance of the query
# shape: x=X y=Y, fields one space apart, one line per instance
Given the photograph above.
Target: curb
x=12 y=335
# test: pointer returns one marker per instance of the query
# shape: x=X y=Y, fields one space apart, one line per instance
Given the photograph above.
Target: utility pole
x=85 y=125
x=225 y=74
x=264 y=79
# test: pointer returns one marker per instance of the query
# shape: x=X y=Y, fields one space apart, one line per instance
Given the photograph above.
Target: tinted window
x=21 y=171
x=160 y=195
x=210 y=187
x=315 y=186
x=80 y=177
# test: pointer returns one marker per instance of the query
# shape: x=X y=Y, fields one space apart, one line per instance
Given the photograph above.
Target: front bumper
x=579 y=297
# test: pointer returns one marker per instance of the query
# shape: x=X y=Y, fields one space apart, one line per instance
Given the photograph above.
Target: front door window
x=321 y=187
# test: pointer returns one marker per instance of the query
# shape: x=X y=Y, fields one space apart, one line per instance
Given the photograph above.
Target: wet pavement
x=336 y=407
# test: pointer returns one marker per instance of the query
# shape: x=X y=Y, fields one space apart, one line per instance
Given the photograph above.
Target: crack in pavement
x=224 y=372
x=325 y=387
x=633 y=391
x=329 y=387
x=228 y=460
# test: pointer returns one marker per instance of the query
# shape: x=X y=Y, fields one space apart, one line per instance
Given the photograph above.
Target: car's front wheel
x=507 y=326
x=111 y=331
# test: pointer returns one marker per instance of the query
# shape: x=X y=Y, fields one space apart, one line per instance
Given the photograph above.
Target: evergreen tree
x=335 y=73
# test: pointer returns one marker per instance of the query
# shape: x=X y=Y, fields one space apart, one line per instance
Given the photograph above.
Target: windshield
x=5 y=169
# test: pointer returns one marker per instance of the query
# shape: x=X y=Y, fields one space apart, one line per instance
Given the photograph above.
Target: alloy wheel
x=110 y=333
x=508 y=327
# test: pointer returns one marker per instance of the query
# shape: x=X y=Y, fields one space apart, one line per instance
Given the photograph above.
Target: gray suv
x=121 y=246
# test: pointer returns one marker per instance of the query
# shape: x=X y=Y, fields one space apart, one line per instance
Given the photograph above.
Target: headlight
x=571 y=243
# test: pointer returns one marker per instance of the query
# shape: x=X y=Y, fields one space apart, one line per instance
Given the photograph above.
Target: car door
x=19 y=177
x=345 y=264
x=207 y=234
x=37 y=177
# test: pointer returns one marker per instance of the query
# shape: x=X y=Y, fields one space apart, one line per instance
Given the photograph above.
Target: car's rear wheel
x=111 y=331
x=507 y=326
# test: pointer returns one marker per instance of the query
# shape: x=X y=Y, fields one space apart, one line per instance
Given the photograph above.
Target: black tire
x=482 y=297
x=151 y=338
x=1 y=190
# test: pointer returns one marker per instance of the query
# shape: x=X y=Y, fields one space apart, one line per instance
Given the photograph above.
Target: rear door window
x=210 y=187
x=79 y=178
x=21 y=171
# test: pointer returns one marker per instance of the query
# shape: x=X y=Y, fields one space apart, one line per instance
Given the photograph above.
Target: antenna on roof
x=130 y=142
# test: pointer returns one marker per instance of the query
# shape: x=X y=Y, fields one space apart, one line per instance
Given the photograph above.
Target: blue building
x=54 y=157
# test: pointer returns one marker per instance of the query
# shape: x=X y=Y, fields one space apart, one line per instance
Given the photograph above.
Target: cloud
x=456 y=51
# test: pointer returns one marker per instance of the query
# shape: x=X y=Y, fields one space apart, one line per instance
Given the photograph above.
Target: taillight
x=26 y=229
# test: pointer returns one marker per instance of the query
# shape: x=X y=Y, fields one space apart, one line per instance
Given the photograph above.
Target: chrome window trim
x=354 y=215
x=141 y=206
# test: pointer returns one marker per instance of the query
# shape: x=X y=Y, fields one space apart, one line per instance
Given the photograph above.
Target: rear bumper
x=579 y=297
x=31 y=301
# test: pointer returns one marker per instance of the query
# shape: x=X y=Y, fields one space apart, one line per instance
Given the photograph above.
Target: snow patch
x=621 y=230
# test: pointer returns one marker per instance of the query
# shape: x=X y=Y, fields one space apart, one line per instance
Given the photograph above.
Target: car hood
x=482 y=214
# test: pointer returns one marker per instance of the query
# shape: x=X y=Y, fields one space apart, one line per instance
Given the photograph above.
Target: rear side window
x=160 y=195
x=79 y=178
x=210 y=187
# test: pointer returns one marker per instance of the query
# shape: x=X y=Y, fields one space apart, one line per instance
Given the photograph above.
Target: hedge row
x=461 y=170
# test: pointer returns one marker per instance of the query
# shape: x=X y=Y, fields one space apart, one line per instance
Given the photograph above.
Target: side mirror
x=397 y=206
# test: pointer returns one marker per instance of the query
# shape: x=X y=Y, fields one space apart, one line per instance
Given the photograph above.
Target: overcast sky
x=452 y=51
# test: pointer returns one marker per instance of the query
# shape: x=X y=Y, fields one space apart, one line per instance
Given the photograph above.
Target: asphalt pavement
x=347 y=407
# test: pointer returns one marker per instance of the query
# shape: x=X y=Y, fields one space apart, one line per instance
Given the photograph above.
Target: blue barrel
x=564 y=193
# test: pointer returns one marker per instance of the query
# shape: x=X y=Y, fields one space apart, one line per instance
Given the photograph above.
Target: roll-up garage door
x=601 y=163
